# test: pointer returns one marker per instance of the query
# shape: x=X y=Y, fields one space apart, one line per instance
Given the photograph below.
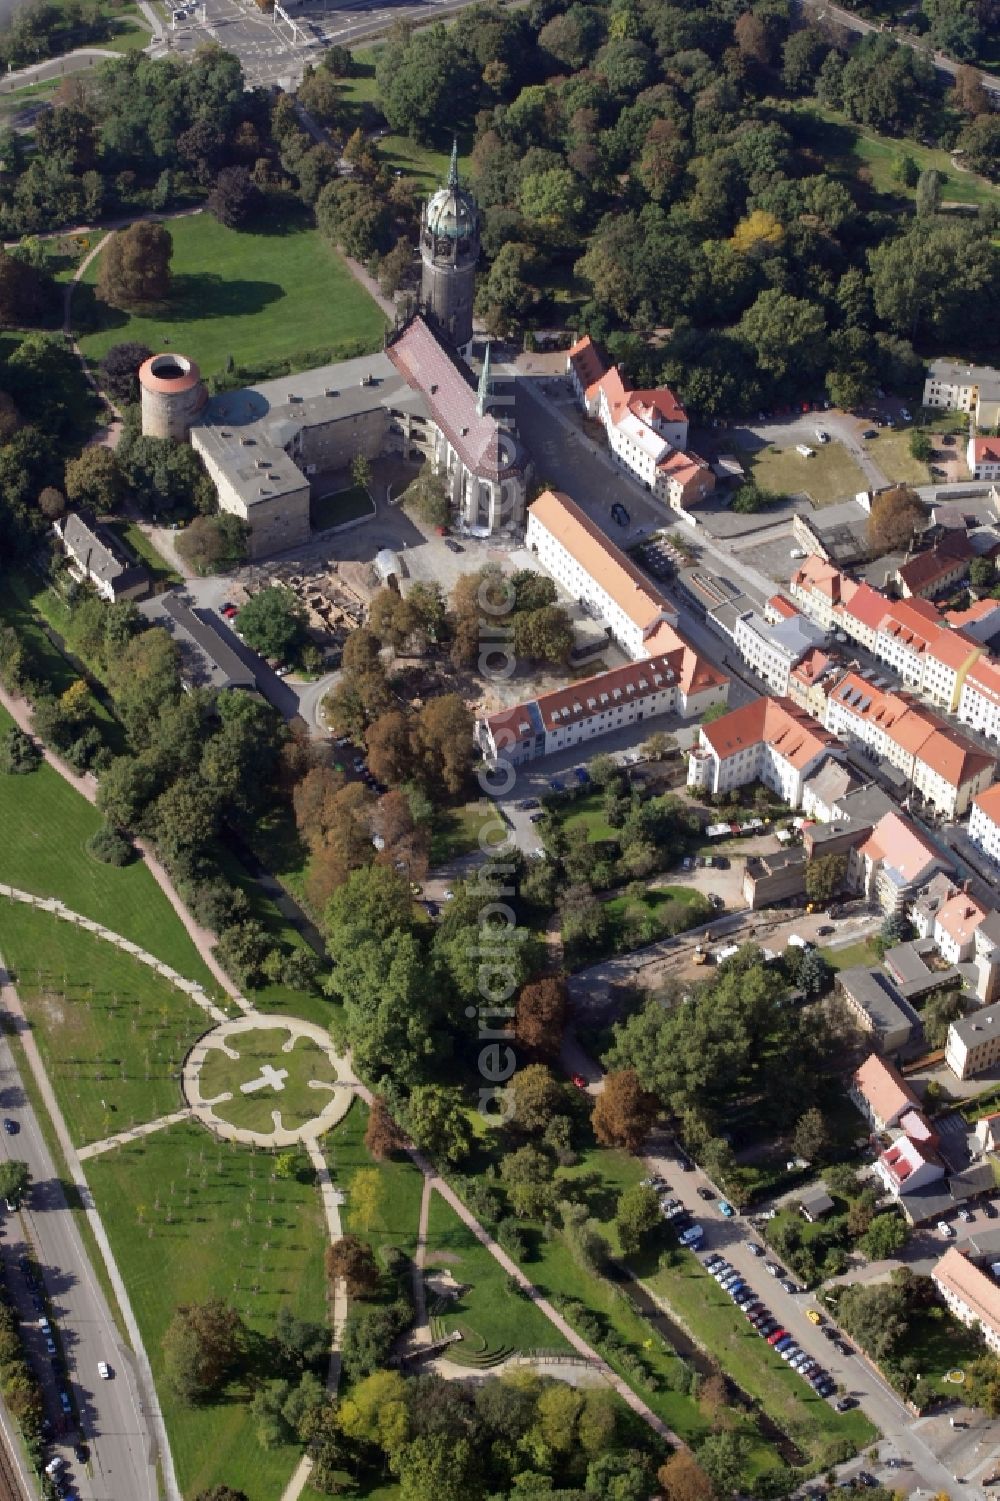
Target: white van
x=805 y=450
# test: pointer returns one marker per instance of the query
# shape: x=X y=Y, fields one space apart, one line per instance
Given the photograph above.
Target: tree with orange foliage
x=624 y=1112
x=540 y=1016
x=382 y=1135
x=683 y=1479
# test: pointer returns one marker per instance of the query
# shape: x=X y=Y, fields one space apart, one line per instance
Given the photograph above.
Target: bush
x=110 y=846
x=18 y=753
x=510 y=1238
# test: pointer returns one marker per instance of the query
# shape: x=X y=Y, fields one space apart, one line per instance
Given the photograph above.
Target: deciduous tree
x=201 y=1348
x=352 y=1260
x=624 y=1113
x=95 y=479
x=382 y=1136
x=135 y=266
x=540 y=1016
x=273 y=622
x=894 y=520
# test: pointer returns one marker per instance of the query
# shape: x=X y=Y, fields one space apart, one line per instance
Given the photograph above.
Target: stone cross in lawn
x=268 y=1076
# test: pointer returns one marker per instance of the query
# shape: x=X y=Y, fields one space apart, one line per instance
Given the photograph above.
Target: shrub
x=510 y=1238
x=110 y=846
x=18 y=753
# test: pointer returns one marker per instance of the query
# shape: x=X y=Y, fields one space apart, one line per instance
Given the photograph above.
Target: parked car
x=945 y=1229
x=754 y=1248
x=705 y=1193
x=104 y=1370
x=813 y=1316
x=536 y=817
x=526 y=804
x=452 y=545
x=789 y=1285
x=779 y=1333
x=966 y=1215
x=10 y=1126
x=846 y=1403
x=726 y=1209
x=579 y=1081
x=775 y=1269
x=989 y=1210
x=620 y=514
x=870 y=432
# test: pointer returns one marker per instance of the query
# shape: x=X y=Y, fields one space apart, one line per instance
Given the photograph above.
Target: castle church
x=270 y=448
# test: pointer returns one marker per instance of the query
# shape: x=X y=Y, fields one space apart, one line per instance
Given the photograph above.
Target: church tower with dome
x=449 y=249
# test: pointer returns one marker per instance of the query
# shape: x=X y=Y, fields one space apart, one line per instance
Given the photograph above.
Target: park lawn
x=611 y=1173
x=504 y=1322
x=130 y=31
x=274 y=300
x=112 y=1032
x=14 y=101
x=456 y=830
x=891 y=452
x=850 y=149
x=714 y=1321
x=298 y=1102
x=340 y=507
x=45 y=826
x=160 y=571
x=190 y=1218
x=397 y=1219
x=428 y=165
x=830 y=475
x=587 y=812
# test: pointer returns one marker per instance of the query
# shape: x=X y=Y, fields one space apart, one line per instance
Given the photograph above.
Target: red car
x=773 y=1339
x=579 y=1081
x=229 y=611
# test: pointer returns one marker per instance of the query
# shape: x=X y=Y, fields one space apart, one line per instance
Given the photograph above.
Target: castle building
x=449 y=250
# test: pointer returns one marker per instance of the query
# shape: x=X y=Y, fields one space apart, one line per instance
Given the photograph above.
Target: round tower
x=449 y=249
x=172 y=396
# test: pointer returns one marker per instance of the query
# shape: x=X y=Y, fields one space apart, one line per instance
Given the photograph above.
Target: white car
x=104 y=1370
x=796 y=552
x=945 y=1229
x=821 y=436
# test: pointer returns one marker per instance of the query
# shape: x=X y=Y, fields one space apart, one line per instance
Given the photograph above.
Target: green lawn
x=456 y=830
x=45 y=826
x=427 y=165
x=133 y=536
x=276 y=299
x=113 y=1033
x=493 y=1321
x=891 y=452
x=397 y=1216
x=130 y=31
x=14 y=101
x=830 y=475
x=851 y=954
x=939 y=1344
x=298 y=1101
x=588 y=812
x=852 y=149
x=713 y=1320
x=191 y=1218
x=340 y=507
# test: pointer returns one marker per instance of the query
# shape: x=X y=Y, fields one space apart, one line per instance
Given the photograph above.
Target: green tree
x=507 y=293
x=824 y=878
x=815 y=974
x=885 y=1236
x=921 y=446
x=438 y=1122
x=786 y=333
x=15 y=1178
x=811 y=1138
x=939 y=1013
x=202 y=1345
x=94 y=479
x=537 y=1097
x=18 y=753
x=637 y=1213
x=439 y=1467
x=982 y=573
x=544 y=635
x=426 y=83
x=723 y=1457
x=928 y=193
x=273 y=622
x=135 y=266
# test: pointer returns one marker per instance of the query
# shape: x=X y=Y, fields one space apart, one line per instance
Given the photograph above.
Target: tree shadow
x=205 y=294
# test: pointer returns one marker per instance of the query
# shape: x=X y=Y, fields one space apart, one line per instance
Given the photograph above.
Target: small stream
x=701 y=1362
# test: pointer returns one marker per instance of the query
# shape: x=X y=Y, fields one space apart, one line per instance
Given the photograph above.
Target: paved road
x=111 y=1412
x=822 y=9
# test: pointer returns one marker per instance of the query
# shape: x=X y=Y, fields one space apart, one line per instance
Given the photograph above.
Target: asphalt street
x=110 y=1412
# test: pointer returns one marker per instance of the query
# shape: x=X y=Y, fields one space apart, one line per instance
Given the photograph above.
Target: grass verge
x=830 y=475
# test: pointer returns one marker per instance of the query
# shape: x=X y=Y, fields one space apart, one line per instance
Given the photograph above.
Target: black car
x=452 y=545
x=619 y=514
x=706 y=1193
x=989 y=1210
x=846 y=1403
x=870 y=432
x=82 y=1453
x=867 y=1480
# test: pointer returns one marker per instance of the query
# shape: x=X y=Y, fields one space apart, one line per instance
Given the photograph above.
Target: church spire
x=485 y=385
x=453 y=164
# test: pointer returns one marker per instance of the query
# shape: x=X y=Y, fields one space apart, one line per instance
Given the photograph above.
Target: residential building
x=907 y=629
x=878 y=1008
x=984 y=823
x=770 y=740
x=979 y=701
x=98 y=558
x=987 y=1132
x=778 y=608
x=973 y=1044
x=678 y=681
x=893 y=863
x=583 y=561
x=811 y=680
x=980 y=622
x=907 y=1166
x=773 y=878
x=772 y=650
x=862 y=615
x=938 y=567
x=970 y=1294
x=949 y=658
x=881 y=1093
x=955 y=927
x=830 y=782
x=819 y=588
x=647 y=430
x=987 y=959
x=924 y=909
x=916 y=970
x=964 y=388
x=983 y=456
x=943 y=766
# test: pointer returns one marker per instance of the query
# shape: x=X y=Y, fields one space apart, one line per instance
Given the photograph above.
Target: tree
x=537 y=1097
x=811 y=1137
x=683 y=1479
x=444 y=744
x=895 y=518
x=366 y=1197
x=786 y=333
x=351 y=1259
x=350 y=214
x=724 y=1457
x=544 y=635
x=211 y=543
x=361 y=470
x=376 y=1411
x=391 y=619
x=939 y=1013
x=22 y=291
x=135 y=266
x=921 y=446
x=201 y=1347
x=425 y=82
x=438 y=1467
x=624 y=1112
x=637 y=1213
x=273 y=622
x=540 y=1016
x=438 y=1122
x=120 y=369
x=824 y=878
x=235 y=198
x=18 y=753
x=982 y=573
x=885 y=1236
x=815 y=974
x=95 y=479
x=221 y=1493
x=15 y=1177
x=506 y=294
x=928 y=193
x=382 y=1136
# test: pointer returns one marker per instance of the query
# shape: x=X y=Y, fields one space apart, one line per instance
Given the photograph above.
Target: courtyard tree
x=135 y=266
x=895 y=518
x=273 y=622
x=351 y=1260
x=824 y=878
x=95 y=479
x=544 y=635
x=201 y=1349
x=361 y=470
x=391 y=619
x=624 y=1113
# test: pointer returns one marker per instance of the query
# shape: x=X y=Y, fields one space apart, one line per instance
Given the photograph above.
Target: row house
x=905 y=632
x=772 y=650
x=590 y=568
x=860 y=617
x=984 y=458
x=979 y=700
x=769 y=740
x=678 y=681
x=947 y=664
x=893 y=863
x=984 y=823
x=973 y=1043
x=820 y=588
x=811 y=681
x=970 y=1294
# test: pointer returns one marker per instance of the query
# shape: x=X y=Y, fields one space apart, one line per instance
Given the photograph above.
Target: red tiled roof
x=778 y=722
x=914 y=621
x=989 y=802
x=976 y=611
x=884 y=1087
x=895 y=840
x=429 y=367
x=955 y=759
x=986 y=448
x=816 y=573
x=970 y=1286
x=985 y=674
x=782 y=606
x=587 y=361
x=937 y=563
x=953 y=649
x=867 y=605
x=960 y=916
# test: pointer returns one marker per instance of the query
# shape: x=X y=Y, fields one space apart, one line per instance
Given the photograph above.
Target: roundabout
x=269 y=1081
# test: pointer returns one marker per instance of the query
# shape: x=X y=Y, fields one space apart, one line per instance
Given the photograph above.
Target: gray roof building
x=207 y=661
x=100 y=558
x=875 y=1000
x=916 y=968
